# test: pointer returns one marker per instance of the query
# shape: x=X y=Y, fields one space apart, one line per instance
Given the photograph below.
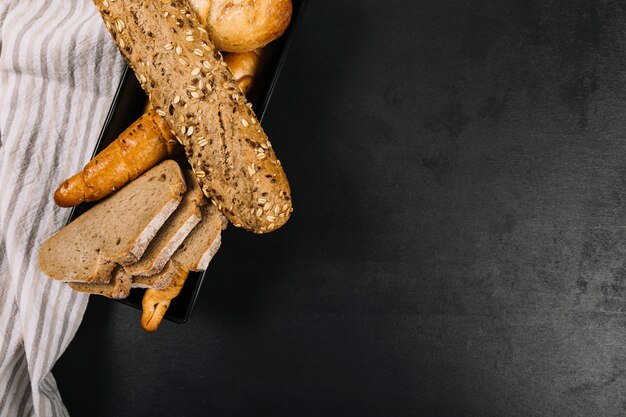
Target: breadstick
x=156 y=302
x=144 y=144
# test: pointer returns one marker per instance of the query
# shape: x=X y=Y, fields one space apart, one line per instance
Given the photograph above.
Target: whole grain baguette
x=190 y=86
x=144 y=144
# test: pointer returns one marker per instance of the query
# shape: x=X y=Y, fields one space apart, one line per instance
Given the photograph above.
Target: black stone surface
x=458 y=243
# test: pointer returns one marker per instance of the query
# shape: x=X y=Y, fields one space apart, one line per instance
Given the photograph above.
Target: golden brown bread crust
x=202 y=9
x=244 y=67
x=244 y=25
x=144 y=144
x=190 y=86
x=156 y=302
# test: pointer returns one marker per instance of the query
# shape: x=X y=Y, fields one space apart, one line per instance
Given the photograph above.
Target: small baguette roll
x=144 y=144
x=191 y=87
x=244 y=67
x=156 y=302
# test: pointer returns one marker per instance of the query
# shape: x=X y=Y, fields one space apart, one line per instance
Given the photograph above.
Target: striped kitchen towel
x=59 y=70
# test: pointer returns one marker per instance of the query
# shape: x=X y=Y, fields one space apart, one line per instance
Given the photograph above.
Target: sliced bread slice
x=173 y=232
x=116 y=230
x=118 y=287
x=194 y=254
x=203 y=242
x=159 y=280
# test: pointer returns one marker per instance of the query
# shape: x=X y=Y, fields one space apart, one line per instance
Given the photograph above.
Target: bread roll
x=190 y=86
x=244 y=67
x=243 y=25
x=144 y=144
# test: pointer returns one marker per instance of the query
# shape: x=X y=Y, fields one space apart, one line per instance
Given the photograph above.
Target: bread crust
x=117 y=288
x=155 y=302
x=173 y=232
x=190 y=86
x=244 y=25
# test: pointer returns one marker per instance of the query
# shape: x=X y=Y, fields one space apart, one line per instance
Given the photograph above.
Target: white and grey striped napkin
x=59 y=69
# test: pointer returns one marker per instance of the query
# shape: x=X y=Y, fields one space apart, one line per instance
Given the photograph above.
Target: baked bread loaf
x=243 y=25
x=149 y=146
x=144 y=144
x=190 y=86
x=116 y=230
x=172 y=233
x=117 y=288
x=194 y=255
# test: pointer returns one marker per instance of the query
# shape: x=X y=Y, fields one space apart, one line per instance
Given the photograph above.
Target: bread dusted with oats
x=190 y=86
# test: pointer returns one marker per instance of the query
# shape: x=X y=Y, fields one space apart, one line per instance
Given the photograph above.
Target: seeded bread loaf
x=118 y=287
x=116 y=230
x=173 y=231
x=144 y=144
x=190 y=86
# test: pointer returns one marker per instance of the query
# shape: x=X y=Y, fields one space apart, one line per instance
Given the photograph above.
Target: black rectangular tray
x=128 y=105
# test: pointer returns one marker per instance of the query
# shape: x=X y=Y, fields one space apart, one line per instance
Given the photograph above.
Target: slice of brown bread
x=203 y=242
x=118 y=287
x=116 y=230
x=172 y=233
x=159 y=280
x=194 y=254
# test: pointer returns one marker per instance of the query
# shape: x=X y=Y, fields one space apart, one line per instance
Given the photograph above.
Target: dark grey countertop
x=458 y=242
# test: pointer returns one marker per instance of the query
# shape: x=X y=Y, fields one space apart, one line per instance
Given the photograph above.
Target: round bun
x=245 y=25
x=201 y=7
x=244 y=67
